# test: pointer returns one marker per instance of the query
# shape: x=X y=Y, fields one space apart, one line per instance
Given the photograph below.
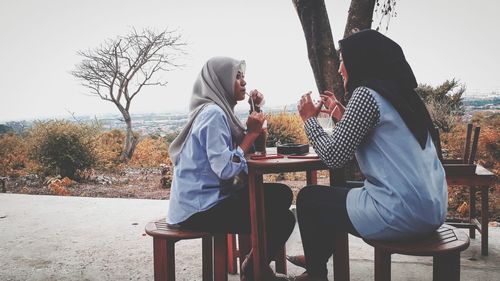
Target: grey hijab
x=214 y=85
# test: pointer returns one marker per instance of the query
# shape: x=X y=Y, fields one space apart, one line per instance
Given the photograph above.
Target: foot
x=247 y=271
x=305 y=277
x=298 y=260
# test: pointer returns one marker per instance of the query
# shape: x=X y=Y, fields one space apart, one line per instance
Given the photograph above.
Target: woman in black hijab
x=387 y=127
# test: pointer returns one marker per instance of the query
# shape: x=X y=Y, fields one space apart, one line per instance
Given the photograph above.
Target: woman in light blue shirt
x=387 y=127
x=209 y=190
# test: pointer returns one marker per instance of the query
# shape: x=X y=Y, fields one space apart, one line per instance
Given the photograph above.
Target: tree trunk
x=360 y=16
x=130 y=139
x=320 y=46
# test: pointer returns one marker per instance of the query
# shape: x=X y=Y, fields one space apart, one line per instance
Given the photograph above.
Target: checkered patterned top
x=362 y=115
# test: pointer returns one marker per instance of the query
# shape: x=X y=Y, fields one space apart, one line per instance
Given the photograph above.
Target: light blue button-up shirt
x=205 y=160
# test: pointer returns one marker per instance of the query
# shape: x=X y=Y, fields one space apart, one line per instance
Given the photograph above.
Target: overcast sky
x=39 y=41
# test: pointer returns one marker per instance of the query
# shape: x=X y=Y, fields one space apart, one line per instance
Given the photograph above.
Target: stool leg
x=208 y=264
x=280 y=261
x=220 y=257
x=164 y=259
x=447 y=267
x=341 y=257
x=232 y=254
x=382 y=265
x=244 y=246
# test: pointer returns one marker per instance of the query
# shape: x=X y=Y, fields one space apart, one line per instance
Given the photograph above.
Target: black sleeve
x=362 y=114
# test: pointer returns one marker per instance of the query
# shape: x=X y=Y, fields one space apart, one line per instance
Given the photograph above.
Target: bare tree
x=119 y=69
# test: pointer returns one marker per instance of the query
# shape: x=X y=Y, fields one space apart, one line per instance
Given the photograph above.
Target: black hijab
x=375 y=61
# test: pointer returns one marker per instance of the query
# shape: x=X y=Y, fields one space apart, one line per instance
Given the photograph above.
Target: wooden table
x=482 y=179
x=256 y=170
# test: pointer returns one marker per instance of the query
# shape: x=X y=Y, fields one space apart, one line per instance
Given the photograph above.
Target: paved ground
x=76 y=238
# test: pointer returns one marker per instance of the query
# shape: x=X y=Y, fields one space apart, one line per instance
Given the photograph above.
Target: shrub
x=109 y=147
x=286 y=128
x=63 y=148
x=444 y=102
x=150 y=152
x=13 y=155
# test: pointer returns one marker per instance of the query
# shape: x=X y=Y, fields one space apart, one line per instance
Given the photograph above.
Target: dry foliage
x=286 y=128
x=150 y=152
x=62 y=147
x=14 y=159
x=109 y=147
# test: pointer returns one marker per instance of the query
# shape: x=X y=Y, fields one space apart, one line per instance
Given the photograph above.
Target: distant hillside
x=481 y=102
x=164 y=123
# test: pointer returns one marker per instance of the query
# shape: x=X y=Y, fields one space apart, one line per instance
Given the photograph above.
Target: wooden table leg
x=312 y=177
x=472 y=210
x=484 y=220
x=258 y=222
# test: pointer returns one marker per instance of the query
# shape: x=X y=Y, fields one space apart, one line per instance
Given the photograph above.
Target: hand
x=256 y=98
x=254 y=123
x=333 y=107
x=307 y=108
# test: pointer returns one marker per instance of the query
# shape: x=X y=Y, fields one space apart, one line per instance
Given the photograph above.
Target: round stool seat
x=162 y=229
x=444 y=240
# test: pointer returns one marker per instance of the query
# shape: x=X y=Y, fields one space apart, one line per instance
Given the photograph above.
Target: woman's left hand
x=307 y=108
x=333 y=107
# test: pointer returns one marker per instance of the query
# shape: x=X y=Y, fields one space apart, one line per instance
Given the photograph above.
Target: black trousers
x=232 y=215
x=322 y=213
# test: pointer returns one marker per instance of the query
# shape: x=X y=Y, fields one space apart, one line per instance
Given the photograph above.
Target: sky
x=39 y=42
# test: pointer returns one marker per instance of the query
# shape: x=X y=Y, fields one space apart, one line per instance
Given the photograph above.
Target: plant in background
x=286 y=128
x=63 y=148
x=150 y=152
x=444 y=102
x=120 y=68
x=109 y=148
x=13 y=155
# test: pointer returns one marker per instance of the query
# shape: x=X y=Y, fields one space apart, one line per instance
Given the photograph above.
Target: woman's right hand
x=254 y=123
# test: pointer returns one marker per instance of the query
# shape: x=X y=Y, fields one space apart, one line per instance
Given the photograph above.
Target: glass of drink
x=326 y=121
x=261 y=140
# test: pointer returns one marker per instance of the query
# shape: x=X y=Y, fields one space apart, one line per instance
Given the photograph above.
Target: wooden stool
x=444 y=245
x=164 y=238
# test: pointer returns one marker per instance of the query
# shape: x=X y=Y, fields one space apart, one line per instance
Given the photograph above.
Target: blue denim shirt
x=205 y=160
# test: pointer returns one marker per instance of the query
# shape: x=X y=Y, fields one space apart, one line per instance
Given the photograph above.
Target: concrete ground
x=75 y=238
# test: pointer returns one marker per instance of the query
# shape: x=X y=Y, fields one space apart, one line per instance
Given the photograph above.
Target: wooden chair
x=164 y=238
x=469 y=154
x=444 y=245
x=463 y=165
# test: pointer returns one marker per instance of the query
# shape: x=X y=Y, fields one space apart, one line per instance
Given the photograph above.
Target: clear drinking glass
x=326 y=121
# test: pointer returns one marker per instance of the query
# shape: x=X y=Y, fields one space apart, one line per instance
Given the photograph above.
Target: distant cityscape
x=162 y=124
